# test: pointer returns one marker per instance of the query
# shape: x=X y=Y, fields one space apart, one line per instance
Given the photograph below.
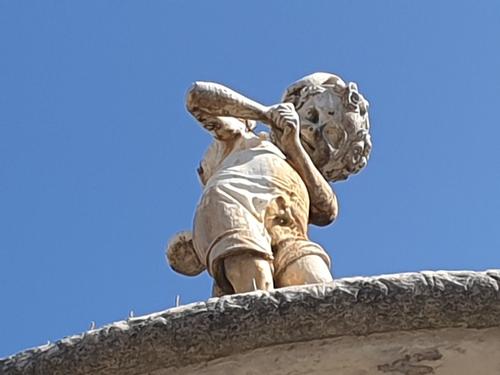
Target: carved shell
x=341 y=144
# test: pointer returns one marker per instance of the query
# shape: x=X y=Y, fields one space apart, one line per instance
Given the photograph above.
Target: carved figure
x=262 y=190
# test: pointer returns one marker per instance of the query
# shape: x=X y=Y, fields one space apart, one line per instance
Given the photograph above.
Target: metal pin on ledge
x=254 y=284
x=177 y=300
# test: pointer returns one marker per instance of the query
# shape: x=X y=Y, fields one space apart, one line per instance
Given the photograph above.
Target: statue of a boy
x=262 y=190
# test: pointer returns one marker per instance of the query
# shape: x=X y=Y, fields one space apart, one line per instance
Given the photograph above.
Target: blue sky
x=98 y=155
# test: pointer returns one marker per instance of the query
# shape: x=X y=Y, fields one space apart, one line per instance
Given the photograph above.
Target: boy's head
x=334 y=123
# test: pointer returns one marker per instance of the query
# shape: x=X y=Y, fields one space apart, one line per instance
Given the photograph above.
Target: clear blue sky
x=98 y=155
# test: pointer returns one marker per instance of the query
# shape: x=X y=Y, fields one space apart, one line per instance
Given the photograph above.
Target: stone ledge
x=220 y=327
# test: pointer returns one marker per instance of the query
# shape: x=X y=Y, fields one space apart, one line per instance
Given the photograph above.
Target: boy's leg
x=216 y=290
x=309 y=269
x=248 y=271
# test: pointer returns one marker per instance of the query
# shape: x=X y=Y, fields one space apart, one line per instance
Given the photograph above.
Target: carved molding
x=220 y=327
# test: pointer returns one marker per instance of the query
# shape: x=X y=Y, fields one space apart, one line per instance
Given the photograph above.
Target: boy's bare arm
x=324 y=206
x=221 y=110
x=213 y=99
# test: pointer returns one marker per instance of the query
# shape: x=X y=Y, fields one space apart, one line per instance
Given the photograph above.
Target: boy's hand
x=285 y=123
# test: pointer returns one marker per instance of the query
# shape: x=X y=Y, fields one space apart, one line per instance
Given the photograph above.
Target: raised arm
x=213 y=99
x=221 y=110
x=324 y=206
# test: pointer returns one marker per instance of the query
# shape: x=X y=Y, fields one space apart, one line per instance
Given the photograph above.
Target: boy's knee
x=299 y=262
x=309 y=269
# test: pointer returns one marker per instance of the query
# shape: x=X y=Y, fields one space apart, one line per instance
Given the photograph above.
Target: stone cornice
x=224 y=326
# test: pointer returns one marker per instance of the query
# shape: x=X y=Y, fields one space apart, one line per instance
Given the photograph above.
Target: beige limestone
x=261 y=191
x=451 y=351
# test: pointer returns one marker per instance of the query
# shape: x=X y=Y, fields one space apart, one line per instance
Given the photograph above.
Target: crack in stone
x=407 y=365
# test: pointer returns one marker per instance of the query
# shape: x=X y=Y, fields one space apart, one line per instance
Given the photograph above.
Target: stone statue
x=262 y=190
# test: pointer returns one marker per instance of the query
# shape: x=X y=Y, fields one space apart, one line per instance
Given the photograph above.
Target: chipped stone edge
x=219 y=327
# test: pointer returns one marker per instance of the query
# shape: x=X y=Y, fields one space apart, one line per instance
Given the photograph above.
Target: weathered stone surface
x=192 y=335
x=262 y=190
x=446 y=351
